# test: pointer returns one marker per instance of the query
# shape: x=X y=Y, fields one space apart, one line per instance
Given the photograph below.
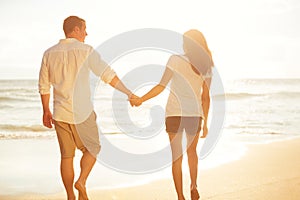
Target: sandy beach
x=266 y=171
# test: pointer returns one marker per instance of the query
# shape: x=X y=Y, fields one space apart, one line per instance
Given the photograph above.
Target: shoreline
x=266 y=171
x=32 y=165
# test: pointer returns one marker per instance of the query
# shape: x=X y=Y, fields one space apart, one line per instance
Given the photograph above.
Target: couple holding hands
x=66 y=66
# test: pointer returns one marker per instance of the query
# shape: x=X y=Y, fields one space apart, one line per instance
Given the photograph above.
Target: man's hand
x=47 y=119
x=135 y=100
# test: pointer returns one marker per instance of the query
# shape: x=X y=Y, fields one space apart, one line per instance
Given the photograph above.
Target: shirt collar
x=68 y=40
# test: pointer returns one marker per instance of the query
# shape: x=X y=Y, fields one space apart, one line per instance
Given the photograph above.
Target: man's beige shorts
x=83 y=136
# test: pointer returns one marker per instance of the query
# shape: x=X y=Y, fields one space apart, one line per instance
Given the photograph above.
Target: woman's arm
x=156 y=90
x=205 y=104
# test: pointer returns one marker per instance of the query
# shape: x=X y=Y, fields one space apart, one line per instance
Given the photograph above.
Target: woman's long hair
x=194 y=44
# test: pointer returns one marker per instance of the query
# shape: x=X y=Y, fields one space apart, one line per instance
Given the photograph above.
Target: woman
x=188 y=104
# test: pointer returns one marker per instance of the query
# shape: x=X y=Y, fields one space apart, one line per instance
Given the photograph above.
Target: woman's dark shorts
x=176 y=124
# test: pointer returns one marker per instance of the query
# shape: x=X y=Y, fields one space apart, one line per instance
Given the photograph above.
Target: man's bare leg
x=86 y=164
x=67 y=174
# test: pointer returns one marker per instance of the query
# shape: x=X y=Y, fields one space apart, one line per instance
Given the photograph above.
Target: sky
x=248 y=38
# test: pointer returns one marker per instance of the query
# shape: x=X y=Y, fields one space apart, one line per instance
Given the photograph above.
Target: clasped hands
x=135 y=100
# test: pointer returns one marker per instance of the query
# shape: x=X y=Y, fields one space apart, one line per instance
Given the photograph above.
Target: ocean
x=253 y=107
x=267 y=108
x=256 y=111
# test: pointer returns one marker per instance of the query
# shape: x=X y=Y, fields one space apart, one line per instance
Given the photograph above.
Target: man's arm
x=47 y=115
x=118 y=84
x=100 y=68
x=44 y=90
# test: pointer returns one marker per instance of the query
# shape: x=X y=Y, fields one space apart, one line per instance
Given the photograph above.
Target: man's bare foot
x=81 y=190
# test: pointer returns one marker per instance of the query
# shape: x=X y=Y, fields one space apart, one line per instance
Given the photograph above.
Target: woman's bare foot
x=73 y=197
x=194 y=194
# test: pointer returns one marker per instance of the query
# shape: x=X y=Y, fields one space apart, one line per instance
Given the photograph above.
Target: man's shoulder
x=70 y=46
x=51 y=48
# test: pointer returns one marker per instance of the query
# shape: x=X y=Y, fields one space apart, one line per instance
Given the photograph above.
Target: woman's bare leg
x=192 y=141
x=176 y=147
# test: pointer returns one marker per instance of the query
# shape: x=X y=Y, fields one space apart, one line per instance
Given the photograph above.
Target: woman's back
x=186 y=89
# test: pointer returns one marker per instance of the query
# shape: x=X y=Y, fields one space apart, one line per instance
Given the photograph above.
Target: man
x=66 y=66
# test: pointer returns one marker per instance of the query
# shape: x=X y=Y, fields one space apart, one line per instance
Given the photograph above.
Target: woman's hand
x=205 y=131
